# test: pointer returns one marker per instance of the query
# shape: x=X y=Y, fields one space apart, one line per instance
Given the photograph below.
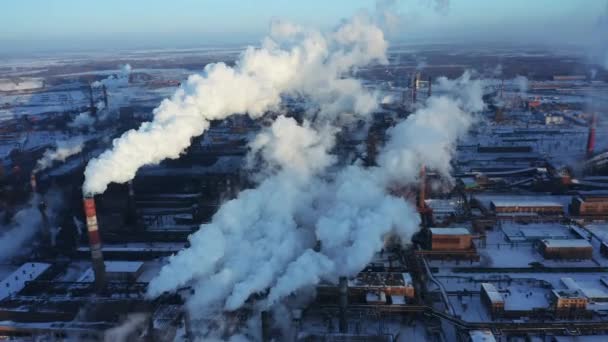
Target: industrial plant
x=360 y=193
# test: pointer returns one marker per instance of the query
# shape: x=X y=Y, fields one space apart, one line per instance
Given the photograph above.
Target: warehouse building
x=566 y=249
x=590 y=205
x=494 y=300
x=450 y=239
x=527 y=206
x=568 y=303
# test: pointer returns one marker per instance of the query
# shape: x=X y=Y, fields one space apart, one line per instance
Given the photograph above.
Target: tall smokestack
x=591 y=137
x=46 y=227
x=105 y=96
x=502 y=87
x=415 y=88
x=422 y=194
x=265 y=317
x=430 y=86
x=95 y=242
x=343 y=288
x=92 y=107
x=131 y=217
x=33 y=182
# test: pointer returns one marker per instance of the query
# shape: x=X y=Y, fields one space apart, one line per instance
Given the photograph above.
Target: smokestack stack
x=422 y=194
x=92 y=107
x=131 y=218
x=591 y=137
x=95 y=242
x=414 y=88
x=430 y=87
x=46 y=227
x=105 y=95
x=343 y=288
x=33 y=182
x=502 y=87
x=265 y=317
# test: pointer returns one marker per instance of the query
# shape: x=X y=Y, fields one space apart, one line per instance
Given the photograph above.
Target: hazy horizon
x=36 y=26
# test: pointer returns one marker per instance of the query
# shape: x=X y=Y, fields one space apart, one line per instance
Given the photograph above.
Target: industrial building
x=589 y=205
x=450 y=239
x=566 y=249
x=568 y=303
x=494 y=300
x=526 y=207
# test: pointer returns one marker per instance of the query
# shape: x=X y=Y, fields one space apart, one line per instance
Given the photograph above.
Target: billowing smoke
x=114 y=81
x=310 y=220
x=465 y=89
x=600 y=48
x=127 y=330
x=26 y=223
x=63 y=150
x=521 y=83
x=20 y=230
x=292 y=61
x=82 y=120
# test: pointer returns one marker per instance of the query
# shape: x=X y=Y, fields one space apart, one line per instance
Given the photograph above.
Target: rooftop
x=564 y=243
x=450 y=231
x=15 y=282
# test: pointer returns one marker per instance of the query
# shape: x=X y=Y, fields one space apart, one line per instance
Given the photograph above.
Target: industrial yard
x=419 y=193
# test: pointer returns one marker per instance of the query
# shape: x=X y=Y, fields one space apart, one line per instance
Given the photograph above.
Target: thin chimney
x=33 y=182
x=591 y=137
x=105 y=95
x=414 y=88
x=99 y=267
x=422 y=194
x=430 y=87
x=92 y=107
x=343 y=289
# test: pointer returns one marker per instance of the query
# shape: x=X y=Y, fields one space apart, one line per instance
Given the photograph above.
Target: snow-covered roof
x=566 y=243
x=16 y=281
x=450 y=231
x=525 y=203
x=115 y=267
x=481 y=336
x=493 y=294
x=123 y=266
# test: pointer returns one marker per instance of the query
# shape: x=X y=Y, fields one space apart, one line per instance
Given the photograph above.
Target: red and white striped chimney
x=95 y=242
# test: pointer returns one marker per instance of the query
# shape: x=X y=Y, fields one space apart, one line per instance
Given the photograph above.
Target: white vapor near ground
x=292 y=60
x=307 y=222
x=63 y=150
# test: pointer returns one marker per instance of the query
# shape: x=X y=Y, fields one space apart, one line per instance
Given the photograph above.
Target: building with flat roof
x=450 y=239
x=493 y=299
x=566 y=249
x=509 y=206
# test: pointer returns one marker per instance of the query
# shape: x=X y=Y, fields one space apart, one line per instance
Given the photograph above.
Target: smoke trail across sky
x=292 y=60
x=63 y=150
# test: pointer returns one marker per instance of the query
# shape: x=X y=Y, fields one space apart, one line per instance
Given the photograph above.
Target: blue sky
x=27 y=24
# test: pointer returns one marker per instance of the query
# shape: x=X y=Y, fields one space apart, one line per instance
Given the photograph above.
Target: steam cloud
x=63 y=150
x=309 y=218
x=22 y=228
x=292 y=60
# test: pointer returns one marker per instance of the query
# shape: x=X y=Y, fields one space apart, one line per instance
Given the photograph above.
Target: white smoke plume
x=465 y=89
x=127 y=330
x=23 y=228
x=292 y=60
x=599 y=49
x=115 y=81
x=63 y=150
x=265 y=238
x=521 y=83
x=26 y=223
x=82 y=120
